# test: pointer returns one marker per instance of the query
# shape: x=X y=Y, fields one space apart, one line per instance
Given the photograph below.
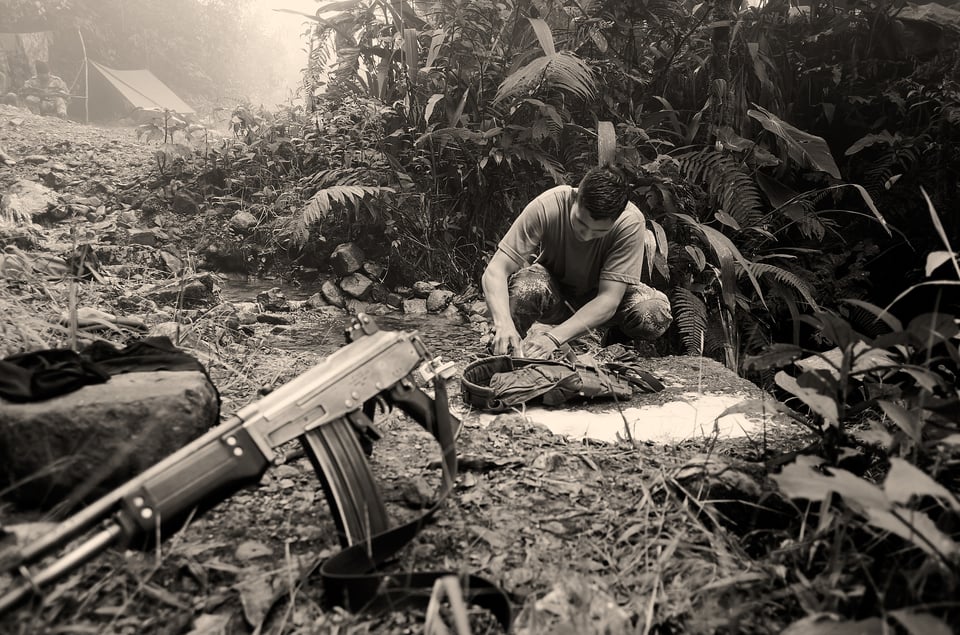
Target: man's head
x=601 y=197
x=42 y=68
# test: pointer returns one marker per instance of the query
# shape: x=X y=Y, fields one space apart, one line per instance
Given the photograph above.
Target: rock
x=356 y=285
x=328 y=310
x=394 y=299
x=89 y=201
x=478 y=307
x=438 y=299
x=128 y=217
x=296 y=305
x=404 y=292
x=197 y=290
x=25 y=199
x=273 y=318
x=315 y=301
x=378 y=292
x=243 y=222
x=149 y=237
x=172 y=264
x=422 y=289
x=374 y=269
x=247 y=312
x=100 y=435
x=453 y=314
x=332 y=293
x=379 y=308
x=476 y=319
x=35 y=159
x=415 y=306
x=183 y=203
x=273 y=300
x=355 y=306
x=346 y=258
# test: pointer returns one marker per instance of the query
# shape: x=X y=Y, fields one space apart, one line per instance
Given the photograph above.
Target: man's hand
x=506 y=341
x=538 y=346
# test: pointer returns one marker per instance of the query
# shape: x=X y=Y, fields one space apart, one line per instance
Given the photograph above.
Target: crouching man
x=46 y=94
x=573 y=259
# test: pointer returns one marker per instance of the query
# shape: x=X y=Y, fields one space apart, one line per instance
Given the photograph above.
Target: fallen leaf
x=208 y=624
x=256 y=596
x=252 y=549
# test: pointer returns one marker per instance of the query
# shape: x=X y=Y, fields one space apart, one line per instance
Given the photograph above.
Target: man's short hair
x=42 y=68
x=604 y=191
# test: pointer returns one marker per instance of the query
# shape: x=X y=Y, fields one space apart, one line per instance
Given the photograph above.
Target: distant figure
x=46 y=94
x=7 y=96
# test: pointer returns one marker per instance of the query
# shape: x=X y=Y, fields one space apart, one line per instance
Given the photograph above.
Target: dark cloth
x=45 y=374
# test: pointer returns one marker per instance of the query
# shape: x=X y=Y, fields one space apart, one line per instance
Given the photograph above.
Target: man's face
x=587 y=228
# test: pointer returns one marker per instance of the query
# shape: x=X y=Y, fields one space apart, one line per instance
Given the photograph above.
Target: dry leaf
x=252 y=549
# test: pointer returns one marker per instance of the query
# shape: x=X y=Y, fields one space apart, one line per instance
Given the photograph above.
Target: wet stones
x=347 y=258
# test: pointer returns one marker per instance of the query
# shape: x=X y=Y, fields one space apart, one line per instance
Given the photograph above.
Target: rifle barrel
x=89 y=549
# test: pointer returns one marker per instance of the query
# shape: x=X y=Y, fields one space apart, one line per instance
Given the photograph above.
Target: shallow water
x=442 y=336
x=238 y=288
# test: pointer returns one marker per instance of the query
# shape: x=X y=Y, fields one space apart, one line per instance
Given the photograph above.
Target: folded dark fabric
x=40 y=375
x=45 y=374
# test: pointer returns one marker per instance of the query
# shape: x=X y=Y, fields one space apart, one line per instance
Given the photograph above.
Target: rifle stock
x=321 y=407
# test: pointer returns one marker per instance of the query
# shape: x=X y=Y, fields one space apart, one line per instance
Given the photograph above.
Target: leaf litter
x=586 y=537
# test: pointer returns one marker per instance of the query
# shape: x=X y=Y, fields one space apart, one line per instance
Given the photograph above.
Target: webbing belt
x=351 y=577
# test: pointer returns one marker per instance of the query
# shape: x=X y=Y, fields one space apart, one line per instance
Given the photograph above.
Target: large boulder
x=332 y=294
x=346 y=258
x=356 y=285
x=438 y=300
x=89 y=441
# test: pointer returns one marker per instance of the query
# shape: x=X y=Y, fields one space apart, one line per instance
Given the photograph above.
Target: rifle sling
x=350 y=577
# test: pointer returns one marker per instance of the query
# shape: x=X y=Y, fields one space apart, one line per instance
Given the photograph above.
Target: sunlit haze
x=286 y=30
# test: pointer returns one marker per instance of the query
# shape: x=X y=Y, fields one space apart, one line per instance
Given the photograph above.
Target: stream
x=451 y=340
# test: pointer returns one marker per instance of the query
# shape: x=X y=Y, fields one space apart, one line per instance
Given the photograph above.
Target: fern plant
x=336 y=190
x=733 y=191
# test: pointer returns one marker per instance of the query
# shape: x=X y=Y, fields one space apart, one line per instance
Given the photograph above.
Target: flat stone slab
x=87 y=442
x=697 y=392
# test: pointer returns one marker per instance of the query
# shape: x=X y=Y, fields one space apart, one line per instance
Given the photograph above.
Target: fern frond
x=561 y=70
x=786 y=278
x=690 y=315
x=322 y=202
x=549 y=164
x=734 y=191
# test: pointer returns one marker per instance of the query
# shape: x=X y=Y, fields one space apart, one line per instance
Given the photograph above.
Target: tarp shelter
x=115 y=94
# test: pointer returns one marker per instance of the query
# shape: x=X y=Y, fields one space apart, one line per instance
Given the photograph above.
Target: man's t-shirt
x=544 y=228
x=49 y=85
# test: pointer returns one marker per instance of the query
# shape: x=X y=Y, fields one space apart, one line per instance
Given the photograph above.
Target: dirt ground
x=585 y=537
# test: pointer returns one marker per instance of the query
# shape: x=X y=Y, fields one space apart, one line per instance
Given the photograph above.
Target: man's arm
x=591 y=315
x=495 y=292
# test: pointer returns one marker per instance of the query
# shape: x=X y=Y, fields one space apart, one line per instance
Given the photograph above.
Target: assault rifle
x=327 y=408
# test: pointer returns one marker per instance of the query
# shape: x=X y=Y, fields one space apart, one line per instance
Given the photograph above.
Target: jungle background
x=798 y=168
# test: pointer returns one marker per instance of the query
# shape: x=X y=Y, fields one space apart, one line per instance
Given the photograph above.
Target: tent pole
x=86 y=80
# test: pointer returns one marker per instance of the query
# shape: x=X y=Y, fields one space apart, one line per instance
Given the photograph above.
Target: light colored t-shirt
x=543 y=233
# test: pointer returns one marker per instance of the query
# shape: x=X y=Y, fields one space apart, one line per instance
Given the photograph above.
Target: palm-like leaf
x=690 y=313
x=786 y=278
x=561 y=70
x=322 y=202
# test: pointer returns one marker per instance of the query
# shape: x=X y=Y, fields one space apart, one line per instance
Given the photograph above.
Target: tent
x=114 y=94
